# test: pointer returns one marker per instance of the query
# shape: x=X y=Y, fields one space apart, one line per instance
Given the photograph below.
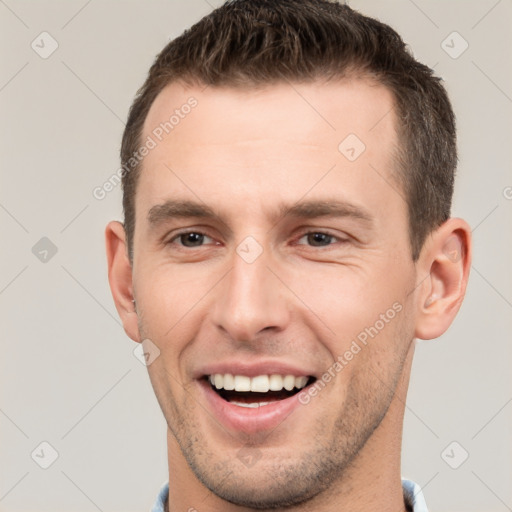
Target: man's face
x=255 y=292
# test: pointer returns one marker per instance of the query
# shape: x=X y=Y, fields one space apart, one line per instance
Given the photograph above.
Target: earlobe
x=120 y=278
x=445 y=260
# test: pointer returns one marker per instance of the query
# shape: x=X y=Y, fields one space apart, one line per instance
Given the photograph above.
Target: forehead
x=320 y=112
x=268 y=143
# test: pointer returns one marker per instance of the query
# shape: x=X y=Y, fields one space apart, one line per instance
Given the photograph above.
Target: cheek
x=345 y=297
x=355 y=306
x=169 y=299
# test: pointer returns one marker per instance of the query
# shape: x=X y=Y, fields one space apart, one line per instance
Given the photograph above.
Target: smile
x=259 y=391
x=253 y=404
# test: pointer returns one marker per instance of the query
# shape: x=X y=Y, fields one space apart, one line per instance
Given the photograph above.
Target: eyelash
x=306 y=233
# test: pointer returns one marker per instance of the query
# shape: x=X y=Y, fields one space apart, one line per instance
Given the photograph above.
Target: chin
x=265 y=486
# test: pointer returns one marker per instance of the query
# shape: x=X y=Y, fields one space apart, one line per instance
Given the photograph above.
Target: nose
x=250 y=299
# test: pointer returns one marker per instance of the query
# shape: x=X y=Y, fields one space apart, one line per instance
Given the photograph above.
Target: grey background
x=68 y=375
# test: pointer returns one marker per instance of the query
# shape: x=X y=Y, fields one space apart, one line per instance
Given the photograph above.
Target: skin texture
x=302 y=301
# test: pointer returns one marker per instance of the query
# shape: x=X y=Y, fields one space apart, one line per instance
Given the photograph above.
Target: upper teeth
x=261 y=383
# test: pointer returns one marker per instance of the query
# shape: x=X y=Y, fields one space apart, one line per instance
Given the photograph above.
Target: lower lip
x=249 y=419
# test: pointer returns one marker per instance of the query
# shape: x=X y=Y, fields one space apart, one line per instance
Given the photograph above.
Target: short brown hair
x=248 y=43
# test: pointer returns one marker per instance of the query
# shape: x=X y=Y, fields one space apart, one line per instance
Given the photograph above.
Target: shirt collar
x=412 y=494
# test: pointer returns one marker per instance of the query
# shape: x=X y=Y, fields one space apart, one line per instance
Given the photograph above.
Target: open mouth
x=258 y=391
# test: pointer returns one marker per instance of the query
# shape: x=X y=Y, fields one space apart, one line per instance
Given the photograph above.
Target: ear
x=445 y=259
x=120 y=278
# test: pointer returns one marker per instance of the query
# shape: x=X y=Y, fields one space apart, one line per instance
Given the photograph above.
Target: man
x=288 y=174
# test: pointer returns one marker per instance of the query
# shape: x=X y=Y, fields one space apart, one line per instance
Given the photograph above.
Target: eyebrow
x=310 y=209
x=333 y=208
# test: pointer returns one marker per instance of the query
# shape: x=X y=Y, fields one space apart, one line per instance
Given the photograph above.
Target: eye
x=189 y=239
x=319 y=239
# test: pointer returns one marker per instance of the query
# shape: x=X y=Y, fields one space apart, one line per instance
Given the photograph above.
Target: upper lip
x=253 y=369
